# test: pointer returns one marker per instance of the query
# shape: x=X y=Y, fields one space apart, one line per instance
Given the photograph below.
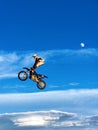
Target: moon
x=82 y=44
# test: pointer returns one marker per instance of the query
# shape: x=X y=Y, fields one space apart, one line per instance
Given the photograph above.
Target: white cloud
x=83 y=101
x=9 y=57
x=74 y=84
x=52 y=119
x=80 y=106
x=31 y=120
x=1 y=59
x=8 y=76
x=12 y=62
x=69 y=52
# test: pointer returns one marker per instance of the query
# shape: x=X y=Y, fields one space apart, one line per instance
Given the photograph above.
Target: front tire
x=22 y=75
x=41 y=84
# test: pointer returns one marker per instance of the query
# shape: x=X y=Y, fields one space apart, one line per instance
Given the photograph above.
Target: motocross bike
x=38 y=78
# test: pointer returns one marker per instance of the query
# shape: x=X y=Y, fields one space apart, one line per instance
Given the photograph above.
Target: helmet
x=35 y=56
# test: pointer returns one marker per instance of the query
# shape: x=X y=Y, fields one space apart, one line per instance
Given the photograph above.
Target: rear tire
x=22 y=75
x=41 y=84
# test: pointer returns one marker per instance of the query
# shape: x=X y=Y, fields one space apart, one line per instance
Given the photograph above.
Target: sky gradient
x=66 y=69
x=53 y=29
x=42 y=25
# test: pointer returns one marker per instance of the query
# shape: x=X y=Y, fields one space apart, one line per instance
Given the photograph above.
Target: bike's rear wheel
x=22 y=75
x=41 y=84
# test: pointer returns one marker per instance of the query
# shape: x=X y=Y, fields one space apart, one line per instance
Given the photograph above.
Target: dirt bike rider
x=38 y=62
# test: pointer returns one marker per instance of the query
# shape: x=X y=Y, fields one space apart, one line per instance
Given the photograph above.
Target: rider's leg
x=31 y=72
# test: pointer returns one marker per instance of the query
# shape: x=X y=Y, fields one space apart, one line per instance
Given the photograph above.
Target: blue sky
x=54 y=29
x=66 y=69
x=42 y=25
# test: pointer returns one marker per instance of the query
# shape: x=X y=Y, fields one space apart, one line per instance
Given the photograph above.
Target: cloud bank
x=12 y=62
x=84 y=101
x=48 y=120
x=54 y=110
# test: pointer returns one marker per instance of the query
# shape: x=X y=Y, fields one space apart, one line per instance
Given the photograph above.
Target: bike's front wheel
x=22 y=75
x=41 y=84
